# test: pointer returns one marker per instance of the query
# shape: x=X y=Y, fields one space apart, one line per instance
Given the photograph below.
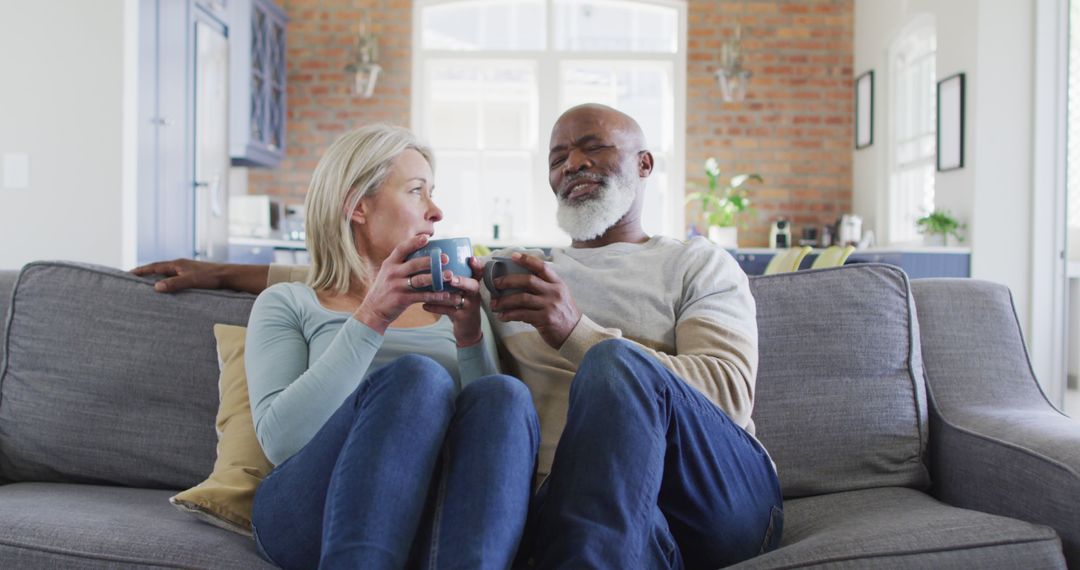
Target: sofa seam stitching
x=898 y=554
x=90 y=556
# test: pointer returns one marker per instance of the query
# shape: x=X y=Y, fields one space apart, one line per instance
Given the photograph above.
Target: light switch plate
x=16 y=169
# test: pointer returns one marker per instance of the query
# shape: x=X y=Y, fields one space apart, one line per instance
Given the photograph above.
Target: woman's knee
x=498 y=390
x=417 y=377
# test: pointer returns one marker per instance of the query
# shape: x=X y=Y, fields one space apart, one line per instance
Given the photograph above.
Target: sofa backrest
x=110 y=382
x=107 y=381
x=841 y=400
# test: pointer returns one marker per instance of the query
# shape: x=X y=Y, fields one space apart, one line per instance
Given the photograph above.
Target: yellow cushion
x=225 y=498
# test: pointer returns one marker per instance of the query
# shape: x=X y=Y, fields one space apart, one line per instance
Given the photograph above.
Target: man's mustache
x=572 y=179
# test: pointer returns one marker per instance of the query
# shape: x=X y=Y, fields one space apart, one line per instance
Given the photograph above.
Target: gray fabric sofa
x=902 y=441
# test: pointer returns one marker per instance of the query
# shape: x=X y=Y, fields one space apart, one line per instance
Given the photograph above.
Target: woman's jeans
x=406 y=474
x=651 y=474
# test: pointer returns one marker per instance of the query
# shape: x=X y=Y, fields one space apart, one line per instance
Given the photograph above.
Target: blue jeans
x=405 y=474
x=651 y=474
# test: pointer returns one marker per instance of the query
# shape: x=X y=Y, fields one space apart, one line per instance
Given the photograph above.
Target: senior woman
x=395 y=441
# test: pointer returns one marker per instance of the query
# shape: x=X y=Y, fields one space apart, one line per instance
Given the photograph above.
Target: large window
x=491 y=76
x=914 y=114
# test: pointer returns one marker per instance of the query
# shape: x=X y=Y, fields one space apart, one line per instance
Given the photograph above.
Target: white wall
x=62 y=93
x=992 y=42
x=877 y=24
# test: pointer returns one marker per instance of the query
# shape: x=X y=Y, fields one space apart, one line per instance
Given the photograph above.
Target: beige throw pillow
x=225 y=498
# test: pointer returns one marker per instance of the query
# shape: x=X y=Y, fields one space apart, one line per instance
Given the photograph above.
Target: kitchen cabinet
x=917 y=263
x=181 y=139
x=257 y=86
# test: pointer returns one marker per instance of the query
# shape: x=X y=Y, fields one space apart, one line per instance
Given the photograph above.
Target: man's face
x=592 y=171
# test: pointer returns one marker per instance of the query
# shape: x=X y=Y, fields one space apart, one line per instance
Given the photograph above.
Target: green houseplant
x=720 y=203
x=938 y=225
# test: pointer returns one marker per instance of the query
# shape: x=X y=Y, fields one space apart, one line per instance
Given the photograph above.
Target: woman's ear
x=359 y=214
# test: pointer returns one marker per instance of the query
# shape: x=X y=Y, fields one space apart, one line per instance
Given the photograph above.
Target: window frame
x=541 y=205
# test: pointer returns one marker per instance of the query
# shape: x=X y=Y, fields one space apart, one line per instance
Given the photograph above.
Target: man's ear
x=645 y=163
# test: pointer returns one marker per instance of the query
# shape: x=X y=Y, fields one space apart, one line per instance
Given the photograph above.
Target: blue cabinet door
x=257 y=87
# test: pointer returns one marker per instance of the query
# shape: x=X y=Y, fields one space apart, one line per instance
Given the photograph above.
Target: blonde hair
x=353 y=167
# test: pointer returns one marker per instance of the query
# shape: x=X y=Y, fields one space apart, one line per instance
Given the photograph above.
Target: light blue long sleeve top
x=303 y=360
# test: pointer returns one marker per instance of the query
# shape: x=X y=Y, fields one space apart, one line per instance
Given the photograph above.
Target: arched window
x=491 y=76
x=912 y=65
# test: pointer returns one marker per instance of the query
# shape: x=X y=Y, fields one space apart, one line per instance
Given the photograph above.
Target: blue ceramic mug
x=459 y=250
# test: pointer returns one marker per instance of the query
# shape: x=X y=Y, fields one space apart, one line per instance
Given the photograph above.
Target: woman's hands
x=393 y=290
x=463 y=307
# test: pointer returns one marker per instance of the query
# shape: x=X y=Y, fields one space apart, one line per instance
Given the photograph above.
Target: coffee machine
x=780 y=234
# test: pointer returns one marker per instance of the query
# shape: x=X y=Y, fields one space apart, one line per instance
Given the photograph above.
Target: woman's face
x=400 y=209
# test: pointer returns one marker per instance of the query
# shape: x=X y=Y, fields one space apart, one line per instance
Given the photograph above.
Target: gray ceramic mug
x=501 y=267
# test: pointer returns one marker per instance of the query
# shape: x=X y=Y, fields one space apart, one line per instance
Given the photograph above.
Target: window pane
x=481 y=104
x=913 y=144
x=641 y=89
x=457 y=191
x=654 y=209
x=615 y=25
x=505 y=184
x=484 y=25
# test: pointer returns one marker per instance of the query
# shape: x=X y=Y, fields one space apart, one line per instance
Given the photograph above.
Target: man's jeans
x=651 y=474
x=404 y=474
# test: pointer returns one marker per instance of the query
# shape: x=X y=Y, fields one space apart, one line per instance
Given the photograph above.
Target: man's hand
x=545 y=301
x=190 y=274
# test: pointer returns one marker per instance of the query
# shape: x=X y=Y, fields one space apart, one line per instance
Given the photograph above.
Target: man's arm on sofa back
x=190 y=274
x=996 y=443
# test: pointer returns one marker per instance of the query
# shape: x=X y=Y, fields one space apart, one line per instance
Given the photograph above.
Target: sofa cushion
x=51 y=525
x=904 y=528
x=107 y=381
x=840 y=401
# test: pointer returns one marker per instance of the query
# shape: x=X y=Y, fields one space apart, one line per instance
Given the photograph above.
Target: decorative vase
x=934 y=240
x=726 y=237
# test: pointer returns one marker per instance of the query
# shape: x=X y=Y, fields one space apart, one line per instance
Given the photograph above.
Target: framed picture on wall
x=950 y=123
x=864 y=110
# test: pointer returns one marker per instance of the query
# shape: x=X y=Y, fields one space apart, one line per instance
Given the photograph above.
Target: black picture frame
x=864 y=110
x=950 y=122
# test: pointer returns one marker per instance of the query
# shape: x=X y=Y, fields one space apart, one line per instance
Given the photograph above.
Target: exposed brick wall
x=321 y=103
x=795 y=128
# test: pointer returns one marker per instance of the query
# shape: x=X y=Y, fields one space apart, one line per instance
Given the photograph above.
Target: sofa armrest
x=996 y=444
x=7 y=289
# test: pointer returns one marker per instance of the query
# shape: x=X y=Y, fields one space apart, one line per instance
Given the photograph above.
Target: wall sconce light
x=732 y=76
x=364 y=65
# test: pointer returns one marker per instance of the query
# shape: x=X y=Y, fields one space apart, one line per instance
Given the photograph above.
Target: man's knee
x=614 y=367
x=610 y=352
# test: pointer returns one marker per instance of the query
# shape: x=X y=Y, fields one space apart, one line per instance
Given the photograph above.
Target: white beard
x=591 y=217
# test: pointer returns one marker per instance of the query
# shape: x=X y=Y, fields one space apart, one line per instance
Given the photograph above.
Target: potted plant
x=938 y=225
x=721 y=202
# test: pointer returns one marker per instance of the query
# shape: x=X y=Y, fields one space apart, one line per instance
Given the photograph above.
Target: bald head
x=602 y=118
